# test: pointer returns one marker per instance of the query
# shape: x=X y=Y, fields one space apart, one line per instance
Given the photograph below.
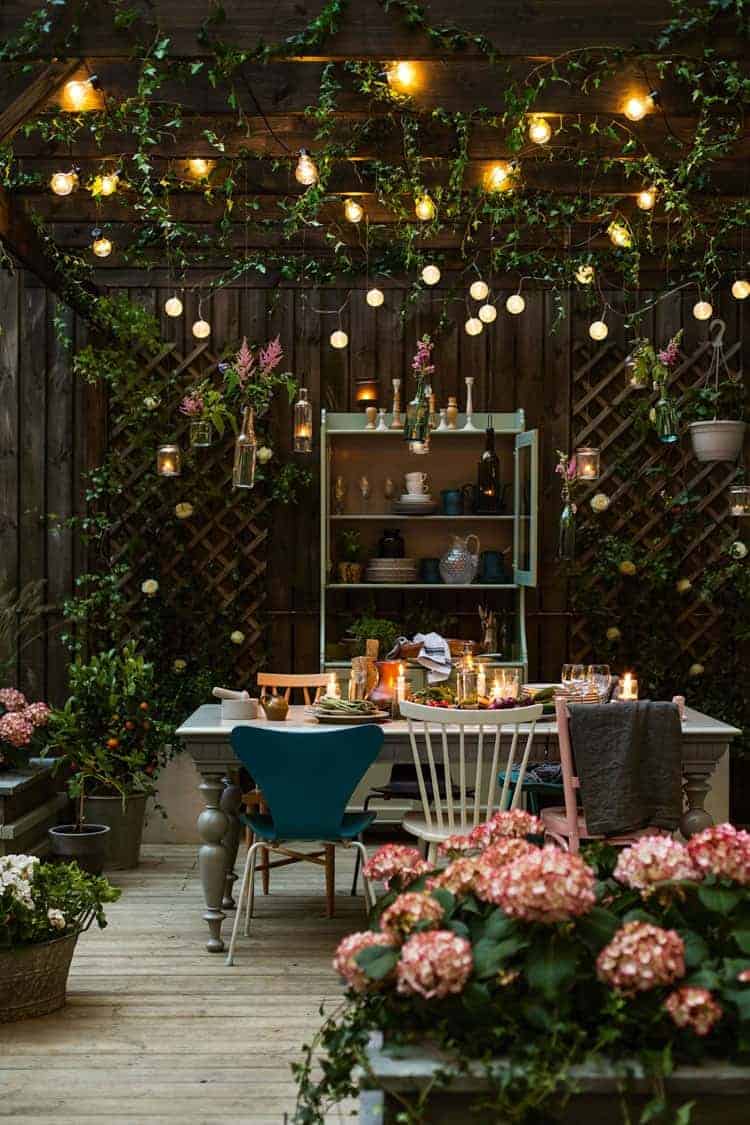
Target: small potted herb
x=374 y=628
x=350 y=565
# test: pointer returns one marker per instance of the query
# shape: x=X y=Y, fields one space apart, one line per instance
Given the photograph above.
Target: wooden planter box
x=29 y=804
x=720 y=1090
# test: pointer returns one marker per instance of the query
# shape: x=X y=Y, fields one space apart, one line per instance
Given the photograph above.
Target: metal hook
x=717 y=336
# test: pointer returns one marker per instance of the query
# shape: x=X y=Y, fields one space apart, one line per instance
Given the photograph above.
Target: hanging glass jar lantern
x=303 y=423
x=168 y=461
x=201 y=433
x=566 y=544
x=666 y=422
x=245 y=448
x=587 y=463
x=739 y=500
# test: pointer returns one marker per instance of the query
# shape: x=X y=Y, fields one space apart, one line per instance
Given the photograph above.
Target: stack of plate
x=415 y=504
x=391 y=570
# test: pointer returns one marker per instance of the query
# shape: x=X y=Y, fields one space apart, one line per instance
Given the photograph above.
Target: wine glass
x=574 y=678
x=365 y=491
x=599 y=675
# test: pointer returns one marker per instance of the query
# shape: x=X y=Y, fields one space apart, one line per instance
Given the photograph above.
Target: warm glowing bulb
x=598 y=330
x=201 y=329
x=102 y=247
x=430 y=275
x=173 y=306
x=515 y=304
x=702 y=310
x=741 y=289
x=646 y=199
x=473 y=326
x=619 y=235
x=585 y=275
x=353 y=211
x=479 y=290
x=199 y=167
x=76 y=93
x=63 y=183
x=540 y=130
x=636 y=108
x=424 y=208
x=306 y=172
x=487 y=314
x=106 y=184
x=498 y=178
x=339 y=339
x=375 y=298
x=401 y=76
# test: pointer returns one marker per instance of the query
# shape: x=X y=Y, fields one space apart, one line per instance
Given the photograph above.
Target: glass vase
x=201 y=433
x=245 y=448
x=566 y=547
x=665 y=421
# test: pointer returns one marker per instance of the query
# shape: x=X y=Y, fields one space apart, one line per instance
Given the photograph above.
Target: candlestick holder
x=397 y=422
x=469 y=380
x=382 y=424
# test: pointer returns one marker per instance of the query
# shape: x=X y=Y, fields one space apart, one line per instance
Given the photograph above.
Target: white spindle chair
x=450 y=813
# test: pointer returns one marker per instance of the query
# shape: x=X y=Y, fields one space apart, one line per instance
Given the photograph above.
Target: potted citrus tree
x=108 y=738
x=43 y=907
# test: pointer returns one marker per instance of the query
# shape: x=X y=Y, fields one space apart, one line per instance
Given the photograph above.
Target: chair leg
x=265 y=857
x=252 y=851
x=357 y=859
x=330 y=861
x=250 y=909
x=432 y=854
x=365 y=881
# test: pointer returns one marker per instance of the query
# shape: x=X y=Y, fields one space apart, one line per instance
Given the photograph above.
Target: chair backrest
x=460 y=811
x=570 y=781
x=307 y=777
x=305 y=681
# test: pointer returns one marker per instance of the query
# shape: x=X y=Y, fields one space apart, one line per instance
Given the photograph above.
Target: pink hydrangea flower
x=344 y=959
x=12 y=699
x=459 y=877
x=38 y=714
x=435 y=964
x=722 y=850
x=16 y=729
x=409 y=911
x=744 y=976
x=641 y=957
x=192 y=405
x=694 y=1008
x=396 y=861
x=546 y=885
x=502 y=825
x=652 y=860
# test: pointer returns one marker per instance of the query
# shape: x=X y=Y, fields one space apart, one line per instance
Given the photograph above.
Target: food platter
x=333 y=719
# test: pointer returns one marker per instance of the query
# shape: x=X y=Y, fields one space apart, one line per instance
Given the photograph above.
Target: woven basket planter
x=34 y=978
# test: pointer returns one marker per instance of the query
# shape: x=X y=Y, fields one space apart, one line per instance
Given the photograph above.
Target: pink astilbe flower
x=641 y=957
x=415 y=908
x=344 y=962
x=244 y=363
x=16 y=729
x=670 y=355
x=192 y=405
x=546 y=885
x=271 y=356
x=435 y=964
x=37 y=713
x=12 y=699
x=396 y=861
x=652 y=860
x=694 y=1008
x=722 y=850
x=422 y=356
x=569 y=471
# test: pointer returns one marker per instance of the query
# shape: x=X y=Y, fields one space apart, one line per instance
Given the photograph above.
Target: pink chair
x=567 y=826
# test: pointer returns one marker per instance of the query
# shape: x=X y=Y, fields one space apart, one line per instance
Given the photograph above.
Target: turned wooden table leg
x=231 y=802
x=212 y=857
x=698 y=765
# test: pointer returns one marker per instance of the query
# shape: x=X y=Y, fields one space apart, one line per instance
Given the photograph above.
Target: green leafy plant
x=351 y=546
x=43 y=901
x=374 y=628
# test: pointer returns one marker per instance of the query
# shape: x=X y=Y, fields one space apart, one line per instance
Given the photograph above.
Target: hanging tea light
x=306 y=172
x=401 y=76
x=375 y=298
x=303 y=423
x=703 y=310
x=201 y=329
x=366 y=390
x=499 y=177
x=598 y=330
x=585 y=275
x=353 y=211
x=473 y=326
x=619 y=234
x=515 y=304
x=430 y=275
x=479 y=290
x=739 y=500
x=587 y=463
x=540 y=130
x=646 y=199
x=173 y=306
x=245 y=448
x=63 y=183
x=101 y=245
x=339 y=339
x=487 y=314
x=638 y=105
x=741 y=289
x=168 y=460
x=424 y=208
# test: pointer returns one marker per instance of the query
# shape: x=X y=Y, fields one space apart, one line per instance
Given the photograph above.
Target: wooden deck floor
x=156 y=1029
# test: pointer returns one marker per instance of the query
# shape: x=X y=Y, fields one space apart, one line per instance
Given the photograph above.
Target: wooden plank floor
x=157 y=1029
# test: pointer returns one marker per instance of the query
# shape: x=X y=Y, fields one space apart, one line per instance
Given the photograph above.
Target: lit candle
x=629 y=687
x=333 y=686
x=496 y=689
x=481 y=681
x=401 y=684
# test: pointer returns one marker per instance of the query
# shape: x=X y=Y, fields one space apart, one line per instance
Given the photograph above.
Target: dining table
x=206 y=736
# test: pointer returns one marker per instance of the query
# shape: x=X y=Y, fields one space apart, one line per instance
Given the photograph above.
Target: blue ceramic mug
x=492 y=567
x=429 y=570
x=453 y=501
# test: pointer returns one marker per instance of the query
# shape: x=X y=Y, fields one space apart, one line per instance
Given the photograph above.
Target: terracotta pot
x=33 y=978
x=718 y=440
x=350 y=572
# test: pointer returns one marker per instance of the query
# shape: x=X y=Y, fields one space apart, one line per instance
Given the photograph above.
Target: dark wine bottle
x=489 y=490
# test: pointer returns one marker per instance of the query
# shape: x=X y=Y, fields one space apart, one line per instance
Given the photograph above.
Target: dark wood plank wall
x=51 y=430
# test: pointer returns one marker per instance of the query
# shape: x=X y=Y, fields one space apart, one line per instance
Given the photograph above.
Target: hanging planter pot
x=718 y=440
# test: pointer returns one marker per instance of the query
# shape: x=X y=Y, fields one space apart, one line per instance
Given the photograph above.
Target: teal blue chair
x=306 y=778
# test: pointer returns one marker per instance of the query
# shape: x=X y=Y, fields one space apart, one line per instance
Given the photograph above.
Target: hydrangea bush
x=41 y=901
x=22 y=727
x=642 y=953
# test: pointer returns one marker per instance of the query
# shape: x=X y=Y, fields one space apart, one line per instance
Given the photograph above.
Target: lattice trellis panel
x=211 y=566
x=604 y=409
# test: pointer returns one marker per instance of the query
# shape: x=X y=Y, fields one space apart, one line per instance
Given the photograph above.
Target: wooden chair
x=458 y=809
x=254 y=802
x=567 y=825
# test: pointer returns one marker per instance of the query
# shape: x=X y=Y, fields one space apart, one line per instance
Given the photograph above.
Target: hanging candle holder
x=587 y=463
x=201 y=433
x=168 y=460
x=739 y=500
x=245 y=449
x=303 y=423
x=665 y=419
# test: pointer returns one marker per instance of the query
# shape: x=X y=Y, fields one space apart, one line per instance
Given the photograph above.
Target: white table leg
x=213 y=824
x=231 y=802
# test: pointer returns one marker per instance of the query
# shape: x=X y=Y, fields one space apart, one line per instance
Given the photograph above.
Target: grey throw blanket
x=628 y=757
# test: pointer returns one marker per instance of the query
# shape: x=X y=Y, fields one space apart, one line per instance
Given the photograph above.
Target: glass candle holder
x=303 y=423
x=168 y=461
x=201 y=433
x=739 y=500
x=466 y=693
x=627 y=688
x=587 y=463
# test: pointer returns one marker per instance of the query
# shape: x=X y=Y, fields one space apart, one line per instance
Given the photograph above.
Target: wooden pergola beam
x=35 y=95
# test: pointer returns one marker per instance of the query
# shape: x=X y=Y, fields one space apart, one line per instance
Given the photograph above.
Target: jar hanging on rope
x=245 y=449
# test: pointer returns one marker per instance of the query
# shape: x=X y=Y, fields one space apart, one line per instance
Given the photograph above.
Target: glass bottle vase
x=245 y=448
x=566 y=546
x=665 y=421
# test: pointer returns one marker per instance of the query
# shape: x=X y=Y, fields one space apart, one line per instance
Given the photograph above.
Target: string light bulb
x=646 y=199
x=306 y=172
x=199 y=167
x=487 y=314
x=201 y=329
x=339 y=339
x=585 y=275
x=375 y=298
x=479 y=290
x=638 y=105
x=703 y=310
x=515 y=304
x=499 y=176
x=741 y=289
x=473 y=326
x=424 y=208
x=353 y=211
x=173 y=306
x=63 y=183
x=106 y=184
x=401 y=76
x=76 y=92
x=540 y=130
x=101 y=246
x=431 y=275
x=619 y=234
x=598 y=330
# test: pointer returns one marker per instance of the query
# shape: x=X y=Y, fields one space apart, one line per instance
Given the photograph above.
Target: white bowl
x=239 y=709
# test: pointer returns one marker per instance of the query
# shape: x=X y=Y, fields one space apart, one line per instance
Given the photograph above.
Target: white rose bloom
x=613 y=633
x=179 y=665
x=56 y=918
x=696 y=670
x=738 y=550
x=600 y=502
x=149 y=587
x=183 y=511
x=150 y=402
x=264 y=454
x=683 y=585
x=237 y=637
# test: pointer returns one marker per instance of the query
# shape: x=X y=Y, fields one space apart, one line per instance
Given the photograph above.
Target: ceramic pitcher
x=459 y=564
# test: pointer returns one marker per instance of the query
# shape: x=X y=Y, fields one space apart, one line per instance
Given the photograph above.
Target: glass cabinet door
x=526 y=508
